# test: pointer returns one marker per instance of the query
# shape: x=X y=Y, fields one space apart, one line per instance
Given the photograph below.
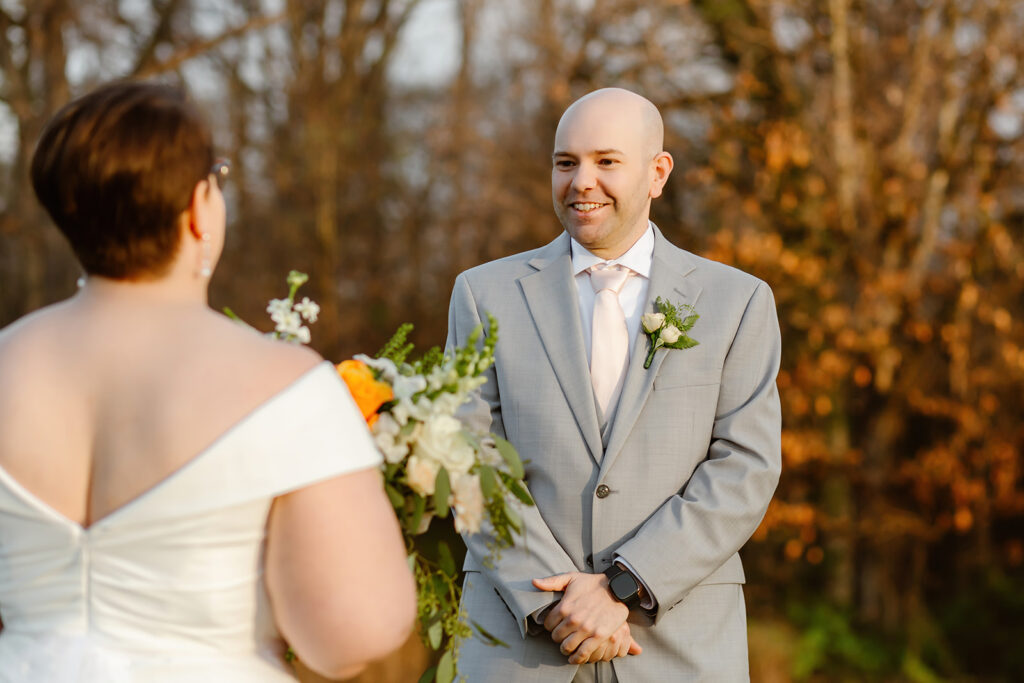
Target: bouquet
x=433 y=464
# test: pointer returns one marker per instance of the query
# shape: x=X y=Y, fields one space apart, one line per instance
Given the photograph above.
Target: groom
x=647 y=480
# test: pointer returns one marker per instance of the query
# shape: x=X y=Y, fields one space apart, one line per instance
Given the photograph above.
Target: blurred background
x=863 y=157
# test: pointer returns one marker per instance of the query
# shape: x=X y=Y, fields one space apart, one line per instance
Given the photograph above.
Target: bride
x=178 y=495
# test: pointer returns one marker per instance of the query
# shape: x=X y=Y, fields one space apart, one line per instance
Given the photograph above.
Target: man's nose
x=584 y=178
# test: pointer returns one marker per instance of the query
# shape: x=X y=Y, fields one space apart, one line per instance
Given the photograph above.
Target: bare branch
x=204 y=46
x=922 y=76
x=161 y=33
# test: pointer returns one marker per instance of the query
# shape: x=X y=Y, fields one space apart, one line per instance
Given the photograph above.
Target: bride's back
x=165 y=474
x=100 y=400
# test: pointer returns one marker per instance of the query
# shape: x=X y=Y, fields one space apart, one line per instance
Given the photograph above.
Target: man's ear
x=662 y=165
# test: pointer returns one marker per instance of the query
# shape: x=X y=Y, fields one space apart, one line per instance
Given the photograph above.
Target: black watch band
x=623 y=585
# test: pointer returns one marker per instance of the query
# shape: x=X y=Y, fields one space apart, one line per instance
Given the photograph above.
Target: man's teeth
x=586 y=207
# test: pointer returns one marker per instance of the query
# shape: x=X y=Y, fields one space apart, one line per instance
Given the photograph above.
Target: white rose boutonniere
x=668 y=327
x=652 y=322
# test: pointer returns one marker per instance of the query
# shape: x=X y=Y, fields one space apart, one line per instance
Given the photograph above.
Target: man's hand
x=587 y=621
x=620 y=644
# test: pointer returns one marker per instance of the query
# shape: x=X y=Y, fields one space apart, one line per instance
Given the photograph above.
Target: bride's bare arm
x=337 y=575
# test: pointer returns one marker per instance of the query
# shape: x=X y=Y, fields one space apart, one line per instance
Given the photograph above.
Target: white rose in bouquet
x=442 y=440
x=469 y=503
x=421 y=473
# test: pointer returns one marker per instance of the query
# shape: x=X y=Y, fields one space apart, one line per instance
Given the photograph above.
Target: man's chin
x=590 y=239
x=586 y=232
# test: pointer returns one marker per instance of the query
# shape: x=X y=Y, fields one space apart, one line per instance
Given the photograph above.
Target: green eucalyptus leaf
x=419 y=507
x=428 y=675
x=394 y=496
x=445 y=559
x=446 y=668
x=513 y=518
x=488 y=637
x=511 y=457
x=520 y=492
x=434 y=633
x=442 y=489
x=488 y=480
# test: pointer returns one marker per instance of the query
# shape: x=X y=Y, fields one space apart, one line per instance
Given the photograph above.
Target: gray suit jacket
x=690 y=461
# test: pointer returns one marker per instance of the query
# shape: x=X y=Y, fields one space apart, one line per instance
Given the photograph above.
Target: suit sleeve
x=696 y=531
x=536 y=553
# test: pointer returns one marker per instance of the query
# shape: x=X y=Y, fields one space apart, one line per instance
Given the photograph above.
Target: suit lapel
x=669 y=271
x=554 y=304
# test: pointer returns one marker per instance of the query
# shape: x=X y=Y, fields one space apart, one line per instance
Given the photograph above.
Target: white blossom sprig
x=287 y=315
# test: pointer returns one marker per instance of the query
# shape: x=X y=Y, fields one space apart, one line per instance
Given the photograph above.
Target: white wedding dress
x=169 y=587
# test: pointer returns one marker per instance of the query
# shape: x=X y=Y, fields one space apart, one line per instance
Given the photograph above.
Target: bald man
x=647 y=480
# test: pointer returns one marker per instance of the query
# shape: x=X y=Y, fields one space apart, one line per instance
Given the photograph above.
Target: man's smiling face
x=605 y=171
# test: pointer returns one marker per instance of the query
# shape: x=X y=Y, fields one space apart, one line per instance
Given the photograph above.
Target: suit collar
x=554 y=305
x=552 y=252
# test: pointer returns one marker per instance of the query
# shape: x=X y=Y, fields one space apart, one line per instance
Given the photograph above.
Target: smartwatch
x=623 y=585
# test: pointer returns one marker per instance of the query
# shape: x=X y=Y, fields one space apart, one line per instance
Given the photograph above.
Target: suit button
x=603 y=491
x=590 y=561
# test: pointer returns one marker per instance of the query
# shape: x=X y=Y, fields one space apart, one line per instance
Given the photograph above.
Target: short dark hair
x=115 y=169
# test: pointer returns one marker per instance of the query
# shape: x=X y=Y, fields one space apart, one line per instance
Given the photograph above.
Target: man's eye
x=564 y=163
x=607 y=162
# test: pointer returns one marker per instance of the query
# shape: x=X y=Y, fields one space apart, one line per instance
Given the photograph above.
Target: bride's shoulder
x=274 y=359
x=27 y=336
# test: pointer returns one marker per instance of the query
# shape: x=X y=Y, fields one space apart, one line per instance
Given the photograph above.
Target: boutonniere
x=668 y=327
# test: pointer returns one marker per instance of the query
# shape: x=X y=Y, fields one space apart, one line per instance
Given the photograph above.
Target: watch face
x=624 y=586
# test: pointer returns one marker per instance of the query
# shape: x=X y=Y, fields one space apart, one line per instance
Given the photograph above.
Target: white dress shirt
x=632 y=297
x=633 y=294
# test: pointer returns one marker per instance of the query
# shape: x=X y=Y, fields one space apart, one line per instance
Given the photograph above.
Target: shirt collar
x=638 y=258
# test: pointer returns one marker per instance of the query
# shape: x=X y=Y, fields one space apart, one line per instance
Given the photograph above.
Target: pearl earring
x=205 y=267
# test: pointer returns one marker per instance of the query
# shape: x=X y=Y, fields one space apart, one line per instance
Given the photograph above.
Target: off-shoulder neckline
x=235 y=428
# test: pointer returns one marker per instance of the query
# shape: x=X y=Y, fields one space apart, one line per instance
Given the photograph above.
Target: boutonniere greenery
x=668 y=327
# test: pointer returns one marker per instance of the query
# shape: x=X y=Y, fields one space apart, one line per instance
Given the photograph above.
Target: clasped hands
x=588 y=623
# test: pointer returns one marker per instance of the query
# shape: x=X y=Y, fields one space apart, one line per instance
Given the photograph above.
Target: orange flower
x=369 y=393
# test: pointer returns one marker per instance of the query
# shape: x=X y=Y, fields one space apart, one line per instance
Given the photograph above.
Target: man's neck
x=618 y=250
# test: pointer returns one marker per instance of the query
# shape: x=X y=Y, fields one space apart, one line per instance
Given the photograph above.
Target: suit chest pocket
x=682 y=376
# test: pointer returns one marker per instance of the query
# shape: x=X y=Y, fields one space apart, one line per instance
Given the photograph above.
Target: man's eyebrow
x=596 y=152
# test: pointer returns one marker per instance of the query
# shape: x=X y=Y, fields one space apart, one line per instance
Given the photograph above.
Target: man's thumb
x=555 y=583
x=634 y=648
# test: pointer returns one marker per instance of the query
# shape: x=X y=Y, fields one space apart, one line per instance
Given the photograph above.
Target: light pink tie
x=609 y=338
